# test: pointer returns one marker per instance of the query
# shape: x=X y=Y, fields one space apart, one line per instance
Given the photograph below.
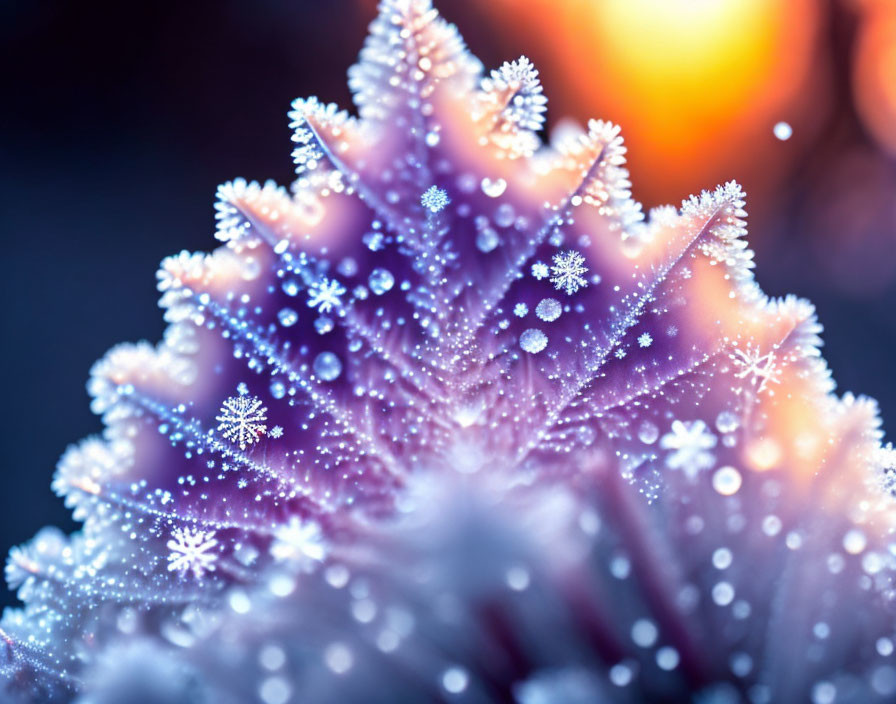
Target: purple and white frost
x=452 y=420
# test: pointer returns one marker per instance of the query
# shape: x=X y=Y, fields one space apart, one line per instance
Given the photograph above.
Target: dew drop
x=487 y=239
x=327 y=366
x=727 y=422
x=381 y=280
x=648 y=433
x=783 y=131
x=291 y=287
x=287 y=317
x=726 y=480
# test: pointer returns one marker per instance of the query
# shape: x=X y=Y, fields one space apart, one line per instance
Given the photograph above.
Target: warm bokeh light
x=874 y=71
x=697 y=86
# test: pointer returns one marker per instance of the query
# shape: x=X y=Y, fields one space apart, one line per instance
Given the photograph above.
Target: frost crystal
x=325 y=295
x=458 y=505
x=760 y=368
x=299 y=542
x=434 y=199
x=568 y=270
x=242 y=420
x=192 y=551
x=690 y=442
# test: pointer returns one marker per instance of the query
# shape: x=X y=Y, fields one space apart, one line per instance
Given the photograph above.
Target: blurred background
x=120 y=119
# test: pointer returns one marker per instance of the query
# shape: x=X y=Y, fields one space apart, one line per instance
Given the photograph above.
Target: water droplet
x=726 y=481
x=504 y=215
x=783 y=131
x=854 y=541
x=291 y=287
x=648 y=432
x=381 y=280
x=327 y=366
x=323 y=325
x=493 y=189
x=727 y=422
x=533 y=341
x=487 y=239
x=455 y=680
x=548 y=309
x=287 y=317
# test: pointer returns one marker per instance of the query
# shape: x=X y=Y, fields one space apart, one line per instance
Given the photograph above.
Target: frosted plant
x=592 y=503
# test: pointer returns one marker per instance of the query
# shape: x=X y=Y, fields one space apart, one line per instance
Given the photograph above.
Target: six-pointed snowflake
x=434 y=199
x=759 y=367
x=645 y=339
x=540 y=270
x=690 y=442
x=325 y=295
x=567 y=272
x=192 y=551
x=299 y=541
x=242 y=420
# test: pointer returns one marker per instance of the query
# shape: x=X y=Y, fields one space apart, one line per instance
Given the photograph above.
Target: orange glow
x=696 y=84
x=874 y=77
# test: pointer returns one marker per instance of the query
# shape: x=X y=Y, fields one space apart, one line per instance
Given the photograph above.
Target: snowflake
x=299 y=541
x=520 y=310
x=191 y=551
x=645 y=340
x=691 y=442
x=540 y=270
x=242 y=420
x=325 y=295
x=276 y=432
x=758 y=367
x=619 y=353
x=434 y=199
x=568 y=269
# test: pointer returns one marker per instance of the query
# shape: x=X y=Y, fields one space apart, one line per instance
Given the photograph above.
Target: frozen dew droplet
x=291 y=287
x=381 y=280
x=505 y=215
x=548 y=309
x=727 y=422
x=644 y=633
x=726 y=480
x=487 y=239
x=338 y=658
x=854 y=541
x=533 y=341
x=783 y=131
x=327 y=366
x=667 y=658
x=455 y=680
x=278 y=389
x=432 y=139
x=493 y=189
x=323 y=325
x=648 y=432
x=287 y=317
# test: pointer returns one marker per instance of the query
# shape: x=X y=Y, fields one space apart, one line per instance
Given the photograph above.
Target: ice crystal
x=434 y=199
x=567 y=272
x=325 y=295
x=191 y=551
x=452 y=503
x=242 y=420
